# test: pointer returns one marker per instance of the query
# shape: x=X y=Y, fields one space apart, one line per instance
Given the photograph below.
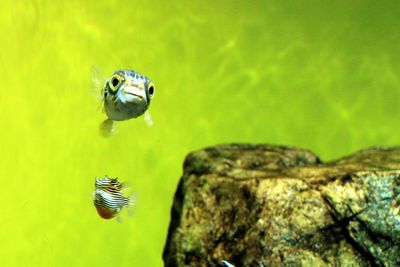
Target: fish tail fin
x=132 y=203
x=107 y=128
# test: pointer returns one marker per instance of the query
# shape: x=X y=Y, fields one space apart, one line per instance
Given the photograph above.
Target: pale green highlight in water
x=304 y=73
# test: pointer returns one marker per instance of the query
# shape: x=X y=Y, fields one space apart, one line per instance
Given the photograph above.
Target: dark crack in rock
x=281 y=206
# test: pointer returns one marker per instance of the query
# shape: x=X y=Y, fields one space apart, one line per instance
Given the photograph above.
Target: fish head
x=127 y=94
x=107 y=182
x=101 y=182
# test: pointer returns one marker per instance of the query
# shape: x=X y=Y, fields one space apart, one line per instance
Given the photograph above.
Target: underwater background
x=312 y=74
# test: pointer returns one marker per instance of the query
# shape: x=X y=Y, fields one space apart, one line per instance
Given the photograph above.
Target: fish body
x=126 y=94
x=109 y=204
x=108 y=197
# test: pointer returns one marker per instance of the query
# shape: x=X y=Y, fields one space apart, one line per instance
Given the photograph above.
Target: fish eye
x=115 y=82
x=150 y=89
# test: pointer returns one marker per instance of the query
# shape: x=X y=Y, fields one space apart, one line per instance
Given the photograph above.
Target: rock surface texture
x=256 y=205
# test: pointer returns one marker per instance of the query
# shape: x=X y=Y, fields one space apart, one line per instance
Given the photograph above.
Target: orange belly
x=105 y=213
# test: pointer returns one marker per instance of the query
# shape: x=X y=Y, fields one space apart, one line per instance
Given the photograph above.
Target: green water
x=303 y=73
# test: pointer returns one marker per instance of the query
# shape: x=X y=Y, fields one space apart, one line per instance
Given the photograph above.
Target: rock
x=281 y=206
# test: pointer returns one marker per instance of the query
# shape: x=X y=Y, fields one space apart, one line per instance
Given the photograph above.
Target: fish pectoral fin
x=147 y=119
x=107 y=128
x=118 y=219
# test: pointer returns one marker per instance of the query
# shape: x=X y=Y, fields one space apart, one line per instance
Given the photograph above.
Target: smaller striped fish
x=108 y=197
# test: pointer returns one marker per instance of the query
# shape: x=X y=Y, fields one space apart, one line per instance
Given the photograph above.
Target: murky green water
x=303 y=73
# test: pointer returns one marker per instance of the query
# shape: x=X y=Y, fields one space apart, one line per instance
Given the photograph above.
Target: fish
x=126 y=94
x=227 y=264
x=109 y=199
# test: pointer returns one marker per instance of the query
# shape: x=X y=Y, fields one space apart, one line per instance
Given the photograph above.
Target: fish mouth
x=138 y=96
